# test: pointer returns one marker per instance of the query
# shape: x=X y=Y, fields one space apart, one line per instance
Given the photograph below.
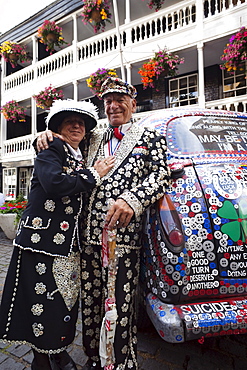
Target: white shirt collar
x=75 y=152
x=124 y=128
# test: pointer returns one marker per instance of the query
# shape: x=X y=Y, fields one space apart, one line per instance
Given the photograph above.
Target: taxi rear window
x=206 y=134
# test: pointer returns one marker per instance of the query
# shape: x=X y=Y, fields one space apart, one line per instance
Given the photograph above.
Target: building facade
x=196 y=30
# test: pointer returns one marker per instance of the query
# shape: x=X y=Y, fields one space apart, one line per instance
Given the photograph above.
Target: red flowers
x=163 y=63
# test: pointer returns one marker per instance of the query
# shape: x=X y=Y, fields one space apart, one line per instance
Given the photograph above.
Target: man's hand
x=119 y=215
x=44 y=138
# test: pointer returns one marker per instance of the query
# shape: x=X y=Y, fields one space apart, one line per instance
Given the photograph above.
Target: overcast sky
x=14 y=12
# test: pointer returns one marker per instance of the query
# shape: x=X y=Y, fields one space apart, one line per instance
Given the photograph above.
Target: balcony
x=140 y=39
x=181 y=27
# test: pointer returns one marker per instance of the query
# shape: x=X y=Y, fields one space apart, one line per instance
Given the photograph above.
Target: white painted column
x=3 y=120
x=33 y=102
x=75 y=33
x=127 y=11
x=75 y=39
x=200 y=46
x=75 y=86
x=126 y=21
x=33 y=117
x=35 y=49
x=115 y=8
x=201 y=91
x=128 y=68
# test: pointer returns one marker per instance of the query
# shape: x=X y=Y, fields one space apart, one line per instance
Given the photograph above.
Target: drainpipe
x=115 y=9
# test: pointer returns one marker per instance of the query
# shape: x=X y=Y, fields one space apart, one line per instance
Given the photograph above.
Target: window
x=234 y=84
x=9 y=183
x=183 y=91
x=24 y=181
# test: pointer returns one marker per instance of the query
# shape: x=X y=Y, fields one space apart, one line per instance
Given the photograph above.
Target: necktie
x=109 y=132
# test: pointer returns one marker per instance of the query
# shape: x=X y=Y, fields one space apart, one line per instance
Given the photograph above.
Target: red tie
x=118 y=134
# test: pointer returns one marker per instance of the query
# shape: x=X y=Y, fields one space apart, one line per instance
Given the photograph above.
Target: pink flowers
x=12 y=111
x=156 y=4
x=96 y=12
x=235 y=53
x=45 y=98
x=12 y=52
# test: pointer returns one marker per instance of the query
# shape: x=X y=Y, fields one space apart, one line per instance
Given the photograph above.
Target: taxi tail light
x=170 y=222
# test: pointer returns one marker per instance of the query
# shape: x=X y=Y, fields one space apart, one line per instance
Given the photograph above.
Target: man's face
x=119 y=108
x=73 y=129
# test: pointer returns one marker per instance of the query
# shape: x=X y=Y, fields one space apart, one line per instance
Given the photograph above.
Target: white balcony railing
x=19 y=148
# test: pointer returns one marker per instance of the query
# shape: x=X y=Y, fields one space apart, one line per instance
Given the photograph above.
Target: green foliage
x=17 y=206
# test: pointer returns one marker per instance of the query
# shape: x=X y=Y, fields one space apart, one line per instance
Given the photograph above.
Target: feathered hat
x=61 y=109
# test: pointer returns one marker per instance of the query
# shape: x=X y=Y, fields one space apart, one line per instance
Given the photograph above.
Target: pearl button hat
x=61 y=109
x=116 y=85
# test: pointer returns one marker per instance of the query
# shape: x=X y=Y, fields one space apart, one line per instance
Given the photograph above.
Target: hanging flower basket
x=235 y=53
x=51 y=38
x=156 y=4
x=163 y=64
x=48 y=103
x=96 y=79
x=46 y=97
x=97 y=13
x=12 y=111
x=13 y=58
x=12 y=52
x=96 y=16
x=50 y=35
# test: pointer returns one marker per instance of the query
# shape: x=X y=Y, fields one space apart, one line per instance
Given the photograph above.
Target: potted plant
x=235 y=53
x=50 y=34
x=156 y=4
x=97 y=13
x=46 y=97
x=12 y=111
x=162 y=64
x=96 y=79
x=13 y=52
x=10 y=214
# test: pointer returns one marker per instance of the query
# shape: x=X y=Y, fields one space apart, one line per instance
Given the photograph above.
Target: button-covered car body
x=194 y=262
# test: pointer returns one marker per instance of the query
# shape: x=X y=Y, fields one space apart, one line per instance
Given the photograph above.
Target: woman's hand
x=103 y=166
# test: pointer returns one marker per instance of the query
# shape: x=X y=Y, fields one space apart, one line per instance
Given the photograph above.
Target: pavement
x=218 y=353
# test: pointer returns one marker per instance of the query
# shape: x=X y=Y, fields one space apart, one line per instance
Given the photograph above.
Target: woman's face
x=72 y=129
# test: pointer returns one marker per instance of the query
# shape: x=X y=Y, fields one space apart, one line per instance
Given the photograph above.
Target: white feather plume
x=72 y=105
